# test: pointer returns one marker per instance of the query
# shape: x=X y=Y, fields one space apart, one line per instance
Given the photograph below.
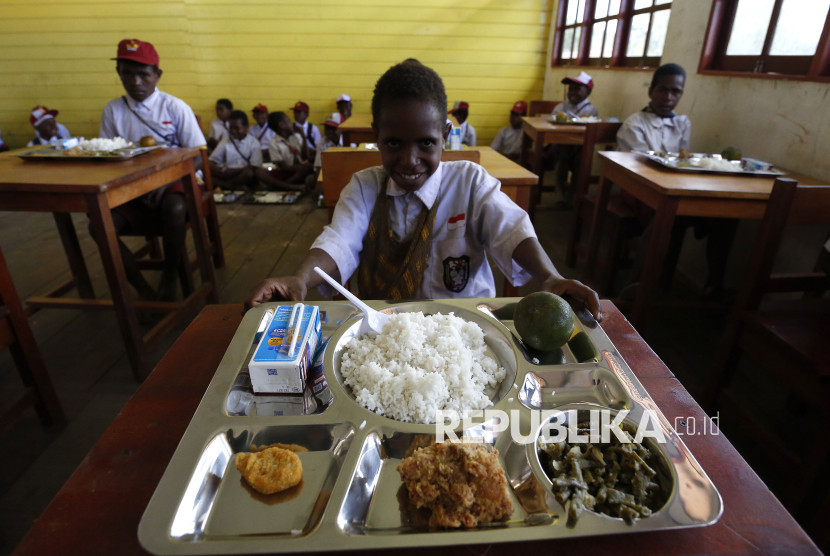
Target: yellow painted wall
x=488 y=52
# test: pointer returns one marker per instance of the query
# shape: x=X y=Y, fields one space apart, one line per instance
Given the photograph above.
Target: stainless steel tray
x=672 y=162
x=350 y=498
x=50 y=153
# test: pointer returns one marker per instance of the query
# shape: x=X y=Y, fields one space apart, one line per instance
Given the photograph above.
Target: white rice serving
x=420 y=364
x=105 y=145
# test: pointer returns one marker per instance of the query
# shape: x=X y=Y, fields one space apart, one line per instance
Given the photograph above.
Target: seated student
x=508 y=140
x=289 y=153
x=344 y=107
x=417 y=227
x=656 y=127
x=47 y=128
x=461 y=110
x=260 y=129
x=331 y=139
x=143 y=111
x=234 y=161
x=308 y=131
x=219 y=126
x=565 y=158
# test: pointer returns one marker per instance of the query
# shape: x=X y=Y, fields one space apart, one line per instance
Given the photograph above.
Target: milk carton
x=274 y=367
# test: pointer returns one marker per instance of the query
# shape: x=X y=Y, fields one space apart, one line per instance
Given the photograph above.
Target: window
x=611 y=32
x=768 y=37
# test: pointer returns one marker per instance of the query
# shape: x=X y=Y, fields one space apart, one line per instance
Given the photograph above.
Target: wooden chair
x=620 y=221
x=340 y=163
x=16 y=335
x=787 y=339
x=541 y=107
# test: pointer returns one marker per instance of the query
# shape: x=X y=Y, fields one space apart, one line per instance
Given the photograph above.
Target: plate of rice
x=96 y=148
x=708 y=163
x=428 y=358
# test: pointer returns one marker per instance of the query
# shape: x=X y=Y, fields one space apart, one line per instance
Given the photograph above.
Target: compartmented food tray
x=50 y=153
x=673 y=162
x=351 y=496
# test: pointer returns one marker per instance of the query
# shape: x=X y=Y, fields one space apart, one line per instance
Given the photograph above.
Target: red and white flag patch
x=457 y=221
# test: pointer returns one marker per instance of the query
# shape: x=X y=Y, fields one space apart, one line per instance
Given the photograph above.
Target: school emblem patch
x=456 y=273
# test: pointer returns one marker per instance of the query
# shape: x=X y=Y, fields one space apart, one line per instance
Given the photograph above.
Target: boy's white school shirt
x=169 y=116
x=584 y=108
x=508 y=141
x=468 y=134
x=227 y=154
x=218 y=129
x=473 y=217
x=263 y=134
x=646 y=131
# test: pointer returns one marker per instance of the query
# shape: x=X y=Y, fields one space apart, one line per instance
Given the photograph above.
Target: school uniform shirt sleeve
x=498 y=141
x=468 y=135
x=220 y=153
x=645 y=131
x=279 y=152
x=252 y=146
x=218 y=129
x=508 y=141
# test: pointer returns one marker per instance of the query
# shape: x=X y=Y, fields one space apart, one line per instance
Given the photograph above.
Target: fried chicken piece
x=271 y=470
x=463 y=484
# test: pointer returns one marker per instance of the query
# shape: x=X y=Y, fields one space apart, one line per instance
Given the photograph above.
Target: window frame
x=714 y=61
x=618 y=59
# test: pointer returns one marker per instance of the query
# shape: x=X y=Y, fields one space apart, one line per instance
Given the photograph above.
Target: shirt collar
x=148 y=102
x=427 y=193
x=668 y=116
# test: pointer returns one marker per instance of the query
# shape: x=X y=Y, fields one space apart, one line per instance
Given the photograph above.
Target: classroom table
x=357 y=129
x=95 y=187
x=673 y=193
x=99 y=508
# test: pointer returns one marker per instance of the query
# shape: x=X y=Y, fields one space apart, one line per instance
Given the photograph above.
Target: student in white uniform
x=309 y=132
x=417 y=227
x=219 y=126
x=508 y=140
x=47 y=127
x=146 y=111
x=260 y=129
x=234 y=161
x=461 y=110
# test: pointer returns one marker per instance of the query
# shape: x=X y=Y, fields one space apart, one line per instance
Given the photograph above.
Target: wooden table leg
x=658 y=244
x=69 y=239
x=597 y=223
x=101 y=221
x=200 y=237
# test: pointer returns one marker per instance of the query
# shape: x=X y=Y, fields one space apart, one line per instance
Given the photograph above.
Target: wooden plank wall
x=490 y=53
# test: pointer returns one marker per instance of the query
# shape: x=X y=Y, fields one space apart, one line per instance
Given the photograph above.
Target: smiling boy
x=419 y=228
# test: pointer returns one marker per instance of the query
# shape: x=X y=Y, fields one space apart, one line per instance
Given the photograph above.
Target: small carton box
x=272 y=369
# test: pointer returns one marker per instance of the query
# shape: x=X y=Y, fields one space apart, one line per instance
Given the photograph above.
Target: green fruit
x=582 y=348
x=544 y=321
x=506 y=312
x=562 y=117
x=731 y=153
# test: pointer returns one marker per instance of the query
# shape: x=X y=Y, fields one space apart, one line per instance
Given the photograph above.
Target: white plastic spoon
x=373 y=321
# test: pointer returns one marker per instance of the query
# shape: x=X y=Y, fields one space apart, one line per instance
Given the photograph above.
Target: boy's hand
x=287 y=288
x=576 y=290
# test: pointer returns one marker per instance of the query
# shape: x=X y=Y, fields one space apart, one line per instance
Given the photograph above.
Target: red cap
x=300 y=105
x=40 y=114
x=137 y=51
x=260 y=108
x=581 y=79
x=331 y=123
x=520 y=107
x=459 y=105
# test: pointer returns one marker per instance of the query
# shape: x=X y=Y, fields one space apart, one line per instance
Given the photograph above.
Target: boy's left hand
x=576 y=290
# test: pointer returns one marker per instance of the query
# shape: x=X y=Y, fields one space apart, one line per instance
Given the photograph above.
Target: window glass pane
x=567 y=44
x=799 y=27
x=580 y=11
x=610 y=33
x=601 y=9
x=570 y=16
x=657 y=39
x=614 y=7
x=659 y=2
x=596 y=40
x=638 y=4
x=577 y=36
x=637 y=36
x=750 y=27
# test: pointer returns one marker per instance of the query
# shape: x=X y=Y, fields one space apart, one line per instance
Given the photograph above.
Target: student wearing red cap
x=344 y=107
x=576 y=101
x=146 y=111
x=461 y=110
x=309 y=132
x=331 y=139
x=260 y=129
x=47 y=128
x=508 y=140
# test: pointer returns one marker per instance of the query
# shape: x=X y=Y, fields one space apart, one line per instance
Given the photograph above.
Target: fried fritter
x=463 y=484
x=271 y=470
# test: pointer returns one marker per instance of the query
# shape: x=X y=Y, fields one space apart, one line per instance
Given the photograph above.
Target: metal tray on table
x=351 y=496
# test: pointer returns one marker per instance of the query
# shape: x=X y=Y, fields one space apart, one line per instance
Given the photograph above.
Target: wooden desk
x=357 y=129
x=99 y=508
x=94 y=188
x=673 y=194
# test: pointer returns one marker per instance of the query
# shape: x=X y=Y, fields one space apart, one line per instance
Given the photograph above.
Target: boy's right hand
x=286 y=288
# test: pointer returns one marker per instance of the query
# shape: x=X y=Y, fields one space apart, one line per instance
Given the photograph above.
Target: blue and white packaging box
x=272 y=369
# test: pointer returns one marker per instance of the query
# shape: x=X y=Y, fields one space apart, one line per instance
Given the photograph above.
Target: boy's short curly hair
x=665 y=70
x=407 y=80
x=226 y=103
x=239 y=115
x=274 y=119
